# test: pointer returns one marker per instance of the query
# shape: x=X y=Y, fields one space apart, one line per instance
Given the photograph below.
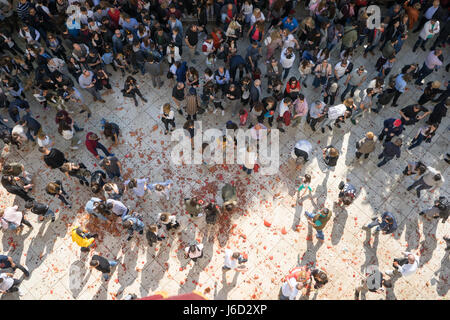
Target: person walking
x=233 y=260
x=103 y=265
x=12 y=219
x=432 y=180
x=387 y=224
x=87 y=81
x=133 y=222
x=82 y=238
x=7 y=262
x=431 y=63
x=112 y=166
x=56 y=189
x=92 y=144
x=41 y=209
x=374 y=282
x=391 y=149
x=424 y=134
x=194 y=251
x=391 y=127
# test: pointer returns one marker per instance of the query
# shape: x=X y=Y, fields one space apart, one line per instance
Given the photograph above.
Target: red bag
x=256 y=167
x=287 y=118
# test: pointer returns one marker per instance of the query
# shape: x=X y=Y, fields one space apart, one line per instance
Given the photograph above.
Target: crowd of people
x=56 y=53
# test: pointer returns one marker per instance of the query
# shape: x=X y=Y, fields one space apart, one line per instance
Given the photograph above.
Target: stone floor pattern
x=59 y=271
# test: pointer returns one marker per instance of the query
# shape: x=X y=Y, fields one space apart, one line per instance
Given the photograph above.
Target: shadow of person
x=429 y=244
x=370 y=250
x=442 y=285
x=339 y=222
x=78 y=277
x=226 y=287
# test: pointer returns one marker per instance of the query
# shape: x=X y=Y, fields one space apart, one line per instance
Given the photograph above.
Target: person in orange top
x=412 y=12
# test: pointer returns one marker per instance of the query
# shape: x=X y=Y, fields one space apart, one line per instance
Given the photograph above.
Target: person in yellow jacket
x=84 y=239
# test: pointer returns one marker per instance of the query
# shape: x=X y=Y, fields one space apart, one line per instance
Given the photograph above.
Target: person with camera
x=387 y=224
x=287 y=60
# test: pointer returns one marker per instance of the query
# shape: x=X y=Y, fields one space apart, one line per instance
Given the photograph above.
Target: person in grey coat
x=154 y=68
x=366 y=145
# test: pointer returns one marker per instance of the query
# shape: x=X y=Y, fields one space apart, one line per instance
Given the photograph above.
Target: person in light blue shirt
x=129 y=24
x=132 y=223
x=400 y=86
x=96 y=207
x=162 y=188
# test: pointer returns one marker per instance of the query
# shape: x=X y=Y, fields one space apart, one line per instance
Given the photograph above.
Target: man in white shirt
x=290 y=289
x=333 y=114
x=287 y=60
x=340 y=68
x=8 y=284
x=232 y=260
x=117 y=207
x=405 y=269
x=302 y=152
x=432 y=179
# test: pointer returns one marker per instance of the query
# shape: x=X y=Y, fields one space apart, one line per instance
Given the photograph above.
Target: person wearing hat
x=366 y=145
x=192 y=104
x=318 y=221
x=391 y=149
x=410 y=114
x=391 y=127
x=302 y=152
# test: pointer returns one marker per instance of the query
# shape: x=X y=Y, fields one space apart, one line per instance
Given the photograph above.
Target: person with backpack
x=318 y=221
x=347 y=193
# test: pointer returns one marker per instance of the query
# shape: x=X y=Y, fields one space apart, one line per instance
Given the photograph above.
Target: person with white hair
x=406 y=266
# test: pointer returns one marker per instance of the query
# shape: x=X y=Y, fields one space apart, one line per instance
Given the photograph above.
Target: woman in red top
x=217 y=36
x=292 y=88
x=114 y=15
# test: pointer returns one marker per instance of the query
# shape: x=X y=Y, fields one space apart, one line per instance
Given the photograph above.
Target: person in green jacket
x=350 y=36
x=194 y=206
x=319 y=221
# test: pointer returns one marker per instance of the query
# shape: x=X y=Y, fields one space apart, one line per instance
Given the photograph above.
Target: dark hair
x=307 y=178
x=94 y=263
x=387 y=283
x=437 y=177
x=29 y=204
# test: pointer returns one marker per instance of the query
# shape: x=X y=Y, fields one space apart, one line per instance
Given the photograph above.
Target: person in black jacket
x=391 y=149
x=152 y=235
x=104 y=265
x=98 y=180
x=41 y=209
x=439 y=112
x=11 y=184
x=53 y=157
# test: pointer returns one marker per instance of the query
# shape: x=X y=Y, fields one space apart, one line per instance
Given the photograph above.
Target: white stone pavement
x=58 y=271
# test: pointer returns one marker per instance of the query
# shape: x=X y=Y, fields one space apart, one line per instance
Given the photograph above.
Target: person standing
x=87 y=81
x=366 y=145
x=374 y=282
x=132 y=222
x=432 y=179
x=154 y=69
x=315 y=114
x=194 y=251
x=56 y=189
x=354 y=80
x=112 y=167
x=428 y=31
x=13 y=186
x=391 y=149
x=287 y=60
x=439 y=112
x=12 y=219
x=425 y=133
x=410 y=114
x=103 y=265
x=290 y=289
x=318 y=221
